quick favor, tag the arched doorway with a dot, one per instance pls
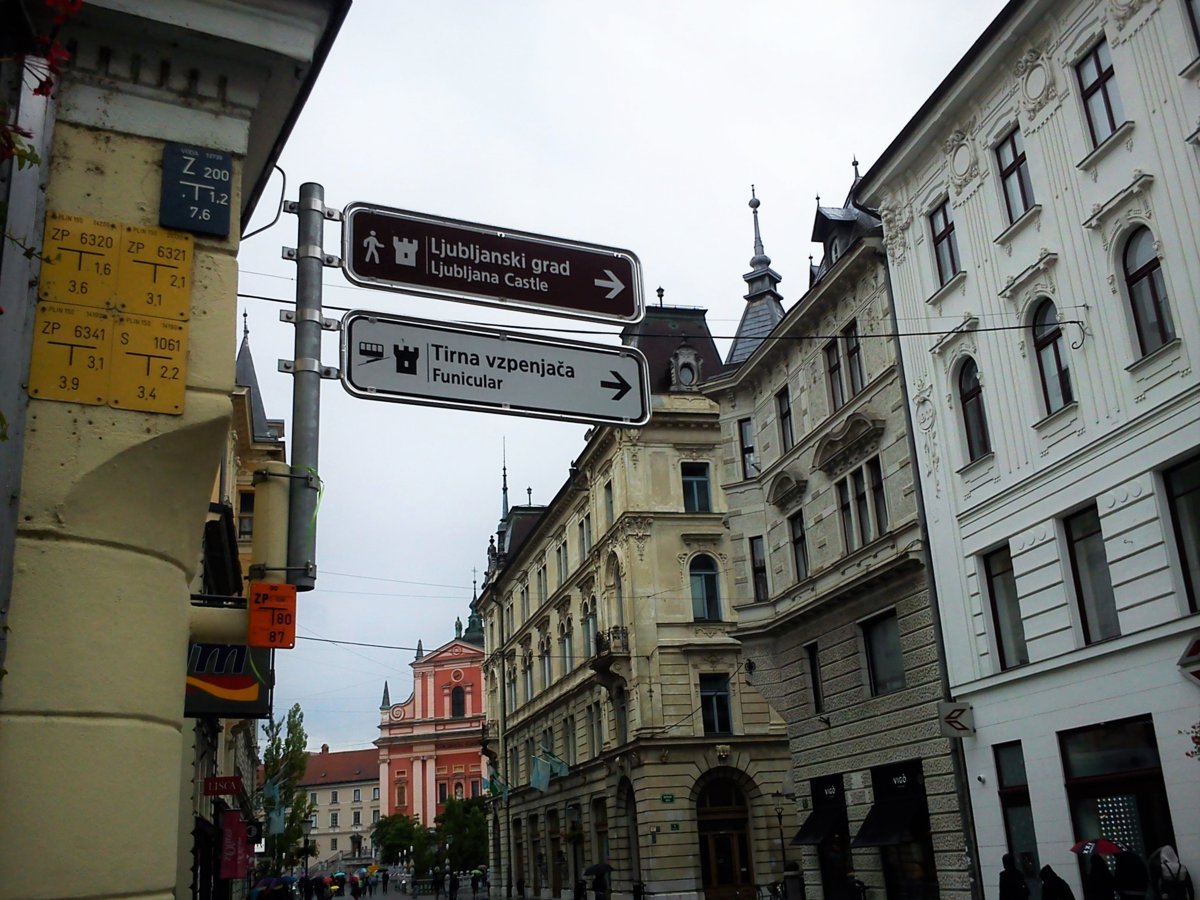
(723, 824)
(627, 803)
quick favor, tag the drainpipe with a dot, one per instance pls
(956, 751)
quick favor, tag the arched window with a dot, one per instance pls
(970, 396)
(706, 599)
(458, 703)
(1147, 292)
(1051, 353)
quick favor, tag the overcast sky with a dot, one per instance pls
(636, 125)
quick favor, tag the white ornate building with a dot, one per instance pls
(1041, 213)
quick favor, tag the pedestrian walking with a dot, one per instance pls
(453, 886)
(1013, 885)
(1053, 887)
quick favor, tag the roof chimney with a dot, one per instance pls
(324, 748)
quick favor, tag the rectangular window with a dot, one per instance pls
(945, 244)
(746, 440)
(542, 584)
(443, 791)
(758, 569)
(1098, 89)
(695, 488)
(783, 407)
(245, 515)
(1013, 788)
(374, 793)
(1193, 13)
(862, 504)
(609, 508)
(402, 796)
(587, 532)
(357, 795)
(333, 820)
(1183, 498)
(333, 796)
(582, 542)
(374, 817)
(1006, 610)
(333, 843)
(799, 545)
(356, 817)
(833, 369)
(595, 729)
(1093, 581)
(714, 704)
(814, 677)
(569, 748)
(853, 350)
(1014, 175)
(885, 660)
(312, 798)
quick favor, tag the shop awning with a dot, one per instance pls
(891, 822)
(821, 822)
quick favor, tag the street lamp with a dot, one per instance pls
(782, 848)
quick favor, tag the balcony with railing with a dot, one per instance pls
(610, 661)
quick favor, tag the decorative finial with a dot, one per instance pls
(818, 199)
(529, 496)
(760, 258)
(855, 164)
(245, 324)
(660, 293)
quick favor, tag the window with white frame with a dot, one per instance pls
(374, 817)
(715, 704)
(852, 350)
(525, 603)
(706, 599)
(885, 659)
(333, 796)
(1051, 351)
(746, 442)
(945, 244)
(356, 817)
(595, 729)
(333, 820)
(1182, 482)
(511, 682)
(970, 399)
(569, 741)
(1093, 580)
(696, 498)
(375, 793)
(1007, 624)
(583, 548)
(542, 584)
(833, 370)
(312, 798)
(333, 844)
(1147, 292)
(758, 569)
(245, 515)
(527, 677)
(1098, 90)
(357, 795)
(862, 505)
(1014, 175)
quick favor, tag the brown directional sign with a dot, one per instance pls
(451, 260)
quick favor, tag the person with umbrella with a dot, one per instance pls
(599, 872)
(476, 874)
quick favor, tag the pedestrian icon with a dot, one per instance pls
(372, 244)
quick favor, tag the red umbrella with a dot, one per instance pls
(1103, 846)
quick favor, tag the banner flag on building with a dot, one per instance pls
(557, 766)
(539, 778)
(235, 847)
(496, 785)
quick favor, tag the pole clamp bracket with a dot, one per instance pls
(295, 316)
(294, 207)
(311, 251)
(294, 366)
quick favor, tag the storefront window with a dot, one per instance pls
(1018, 813)
(1115, 785)
(898, 824)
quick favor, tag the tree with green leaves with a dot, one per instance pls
(283, 802)
(462, 830)
(400, 838)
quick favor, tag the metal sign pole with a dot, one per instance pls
(307, 372)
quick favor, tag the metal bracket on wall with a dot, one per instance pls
(292, 366)
(292, 316)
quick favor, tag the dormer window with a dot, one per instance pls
(685, 369)
(834, 250)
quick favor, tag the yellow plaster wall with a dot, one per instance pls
(111, 514)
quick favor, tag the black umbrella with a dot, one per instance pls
(601, 868)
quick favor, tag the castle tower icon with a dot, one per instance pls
(406, 251)
(406, 359)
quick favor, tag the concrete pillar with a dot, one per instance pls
(111, 516)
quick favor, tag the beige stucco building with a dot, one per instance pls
(105, 493)
(833, 601)
(608, 619)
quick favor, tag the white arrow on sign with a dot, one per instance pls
(612, 282)
(473, 367)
